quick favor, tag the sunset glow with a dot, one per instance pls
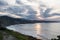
(34, 5)
(38, 30)
(8, 14)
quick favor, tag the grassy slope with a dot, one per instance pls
(1, 36)
(19, 36)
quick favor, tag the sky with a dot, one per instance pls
(31, 9)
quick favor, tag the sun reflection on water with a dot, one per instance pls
(38, 30)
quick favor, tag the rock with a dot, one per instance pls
(32, 38)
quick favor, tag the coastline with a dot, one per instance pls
(17, 35)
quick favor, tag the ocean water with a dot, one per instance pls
(44, 31)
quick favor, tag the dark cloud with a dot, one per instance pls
(54, 14)
(19, 10)
(15, 9)
(45, 13)
(19, 2)
(3, 3)
(31, 12)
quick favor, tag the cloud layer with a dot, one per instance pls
(3, 3)
(30, 9)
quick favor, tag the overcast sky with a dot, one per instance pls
(30, 9)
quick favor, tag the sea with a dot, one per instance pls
(44, 31)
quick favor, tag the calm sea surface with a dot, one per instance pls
(45, 31)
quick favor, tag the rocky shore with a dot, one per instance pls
(6, 34)
(58, 38)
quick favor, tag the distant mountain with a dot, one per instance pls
(6, 21)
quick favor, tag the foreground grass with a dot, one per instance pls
(1, 36)
(19, 36)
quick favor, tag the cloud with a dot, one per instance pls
(29, 9)
(23, 11)
(11, 2)
(17, 10)
(3, 3)
(9, 14)
(19, 2)
(26, 10)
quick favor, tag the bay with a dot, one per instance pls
(44, 31)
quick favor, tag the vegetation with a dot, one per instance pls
(1, 36)
(19, 36)
(7, 21)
